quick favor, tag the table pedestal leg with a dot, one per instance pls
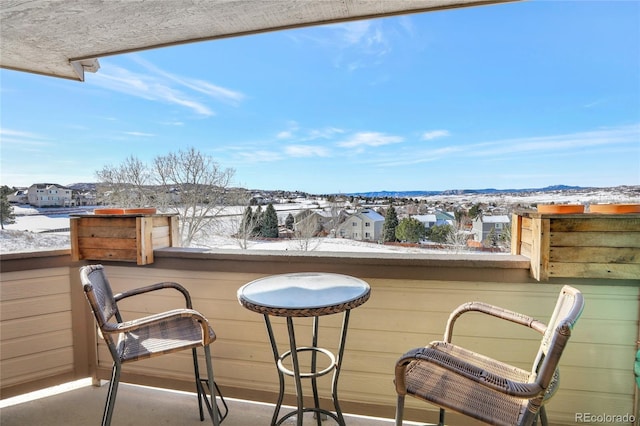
(276, 356)
(336, 373)
(313, 374)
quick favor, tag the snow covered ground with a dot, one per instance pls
(26, 234)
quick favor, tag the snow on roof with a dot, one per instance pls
(496, 219)
(372, 215)
(426, 217)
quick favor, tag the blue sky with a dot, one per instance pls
(515, 95)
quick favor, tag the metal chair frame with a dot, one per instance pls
(477, 386)
(119, 336)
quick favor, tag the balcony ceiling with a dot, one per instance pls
(65, 38)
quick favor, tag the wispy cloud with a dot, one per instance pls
(594, 104)
(306, 151)
(173, 123)
(141, 134)
(372, 139)
(258, 156)
(570, 144)
(326, 133)
(434, 134)
(159, 85)
(20, 137)
(209, 89)
(555, 143)
(295, 132)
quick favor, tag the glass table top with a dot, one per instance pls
(302, 291)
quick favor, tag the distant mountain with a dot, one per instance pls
(413, 194)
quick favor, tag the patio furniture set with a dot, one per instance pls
(442, 373)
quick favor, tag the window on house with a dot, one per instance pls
(367, 224)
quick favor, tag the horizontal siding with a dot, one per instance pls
(36, 337)
(596, 369)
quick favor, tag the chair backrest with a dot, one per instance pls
(567, 311)
(100, 297)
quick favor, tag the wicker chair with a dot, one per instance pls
(477, 386)
(149, 336)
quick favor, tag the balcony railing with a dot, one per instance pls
(47, 334)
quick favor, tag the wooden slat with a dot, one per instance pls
(594, 254)
(112, 254)
(74, 222)
(595, 270)
(595, 239)
(174, 232)
(111, 222)
(596, 224)
(106, 232)
(536, 249)
(516, 233)
(144, 229)
(107, 243)
(525, 249)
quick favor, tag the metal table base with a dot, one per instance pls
(336, 363)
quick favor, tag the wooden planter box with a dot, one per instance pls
(585, 245)
(122, 237)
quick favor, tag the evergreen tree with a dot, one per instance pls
(256, 220)
(269, 228)
(290, 221)
(440, 233)
(390, 225)
(410, 229)
(6, 209)
(475, 211)
(246, 226)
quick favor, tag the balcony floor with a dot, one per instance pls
(81, 404)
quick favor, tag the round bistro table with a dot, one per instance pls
(310, 294)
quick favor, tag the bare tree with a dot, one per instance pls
(194, 187)
(188, 183)
(305, 233)
(125, 185)
(457, 238)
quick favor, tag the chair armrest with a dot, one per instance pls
(154, 287)
(460, 367)
(133, 325)
(494, 311)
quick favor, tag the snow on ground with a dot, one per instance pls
(26, 234)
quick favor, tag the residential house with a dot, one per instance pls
(18, 197)
(49, 195)
(484, 225)
(438, 218)
(317, 221)
(364, 225)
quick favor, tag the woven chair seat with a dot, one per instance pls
(489, 390)
(430, 382)
(150, 336)
(161, 338)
